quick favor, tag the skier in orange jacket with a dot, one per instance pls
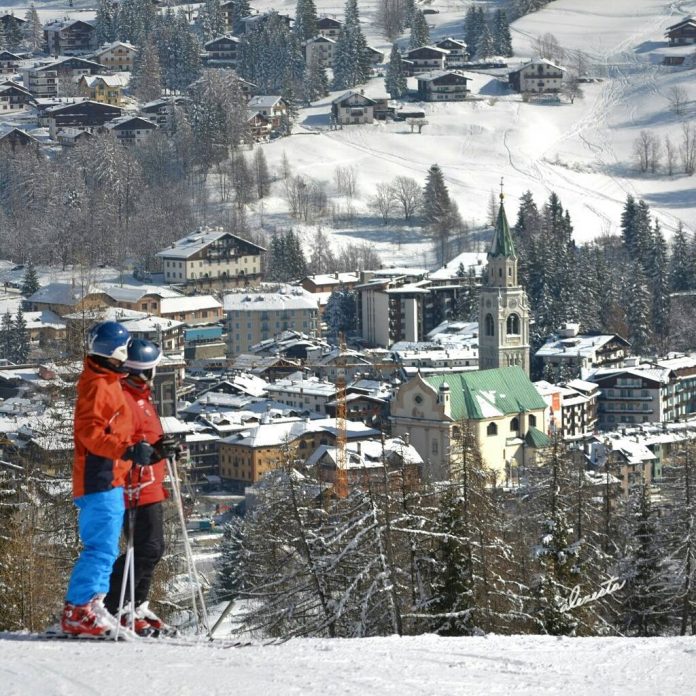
(106, 446)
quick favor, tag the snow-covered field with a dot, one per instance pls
(420, 666)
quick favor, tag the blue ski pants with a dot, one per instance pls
(100, 518)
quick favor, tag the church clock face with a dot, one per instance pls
(513, 303)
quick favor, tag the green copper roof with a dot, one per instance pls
(489, 393)
(502, 239)
(536, 438)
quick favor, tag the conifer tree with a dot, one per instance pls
(13, 34)
(6, 331)
(316, 82)
(658, 275)
(20, 339)
(105, 22)
(351, 62)
(305, 27)
(395, 79)
(33, 28)
(239, 10)
(681, 272)
(439, 211)
(643, 611)
(485, 47)
(502, 40)
(638, 303)
(146, 78)
(30, 282)
(212, 20)
(261, 175)
(136, 19)
(678, 491)
(420, 33)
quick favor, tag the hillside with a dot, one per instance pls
(423, 666)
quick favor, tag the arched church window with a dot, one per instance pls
(490, 326)
(492, 430)
(513, 324)
(532, 420)
(514, 425)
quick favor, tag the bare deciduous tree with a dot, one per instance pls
(670, 155)
(687, 149)
(642, 147)
(547, 46)
(678, 100)
(408, 193)
(346, 181)
(391, 18)
(383, 201)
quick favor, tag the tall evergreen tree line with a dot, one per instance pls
(612, 285)
(486, 37)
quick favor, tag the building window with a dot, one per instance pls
(434, 447)
(492, 430)
(514, 425)
(490, 326)
(513, 325)
(532, 420)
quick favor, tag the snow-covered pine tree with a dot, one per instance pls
(678, 493)
(6, 331)
(658, 276)
(20, 339)
(341, 312)
(485, 47)
(638, 303)
(262, 178)
(502, 40)
(305, 27)
(105, 22)
(13, 34)
(316, 82)
(33, 30)
(146, 78)
(420, 33)
(439, 211)
(211, 20)
(644, 606)
(474, 25)
(681, 272)
(351, 61)
(395, 79)
(30, 282)
(136, 19)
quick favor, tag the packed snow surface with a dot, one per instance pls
(423, 666)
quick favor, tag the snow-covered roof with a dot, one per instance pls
(572, 346)
(187, 303)
(196, 241)
(133, 293)
(118, 80)
(131, 123)
(151, 324)
(437, 74)
(63, 293)
(298, 384)
(115, 44)
(264, 101)
(290, 298)
(653, 374)
(333, 279)
(471, 261)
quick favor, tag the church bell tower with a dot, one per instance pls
(503, 305)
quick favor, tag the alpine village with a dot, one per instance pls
(415, 376)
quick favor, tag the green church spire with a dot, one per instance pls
(502, 239)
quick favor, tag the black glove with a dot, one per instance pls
(140, 454)
(166, 448)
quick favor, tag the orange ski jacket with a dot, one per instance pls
(103, 431)
(147, 426)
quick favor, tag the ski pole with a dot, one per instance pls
(196, 588)
(129, 563)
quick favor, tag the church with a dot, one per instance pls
(498, 402)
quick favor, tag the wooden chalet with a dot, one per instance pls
(328, 27)
(260, 126)
(425, 59)
(221, 52)
(86, 114)
(9, 63)
(442, 85)
(682, 33)
(352, 108)
(17, 138)
(160, 111)
(70, 37)
(13, 97)
(131, 130)
(537, 77)
(458, 53)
